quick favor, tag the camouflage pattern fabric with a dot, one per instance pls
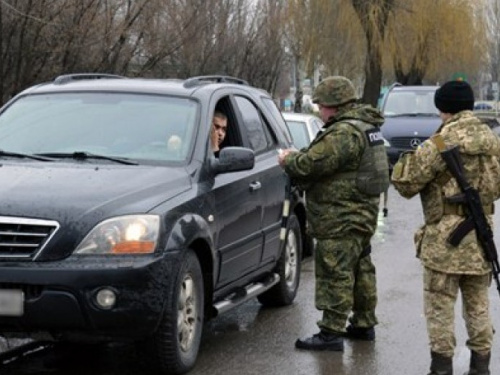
(440, 295)
(446, 268)
(342, 218)
(424, 172)
(336, 207)
(345, 282)
(334, 91)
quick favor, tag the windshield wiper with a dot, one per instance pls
(83, 155)
(27, 156)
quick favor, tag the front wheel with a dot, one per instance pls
(173, 348)
(288, 268)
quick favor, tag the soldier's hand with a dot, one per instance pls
(283, 154)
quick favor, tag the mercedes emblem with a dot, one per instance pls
(415, 142)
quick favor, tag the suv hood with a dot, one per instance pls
(70, 193)
(409, 126)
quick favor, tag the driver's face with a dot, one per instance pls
(219, 128)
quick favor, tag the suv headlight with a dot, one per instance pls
(386, 143)
(134, 234)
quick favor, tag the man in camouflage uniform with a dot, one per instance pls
(343, 172)
(448, 269)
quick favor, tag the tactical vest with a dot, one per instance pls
(372, 176)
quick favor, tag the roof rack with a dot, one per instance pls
(65, 78)
(195, 81)
(395, 84)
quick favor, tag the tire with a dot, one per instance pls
(173, 348)
(288, 268)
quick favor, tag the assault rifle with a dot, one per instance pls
(471, 200)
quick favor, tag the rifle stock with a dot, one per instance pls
(473, 205)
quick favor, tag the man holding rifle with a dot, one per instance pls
(457, 174)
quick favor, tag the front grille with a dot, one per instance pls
(407, 143)
(24, 238)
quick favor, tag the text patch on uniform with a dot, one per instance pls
(374, 137)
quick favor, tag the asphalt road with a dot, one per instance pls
(252, 340)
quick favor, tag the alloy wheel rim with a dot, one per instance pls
(187, 313)
(291, 246)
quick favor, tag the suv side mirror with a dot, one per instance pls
(233, 159)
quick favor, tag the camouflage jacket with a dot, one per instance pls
(335, 206)
(424, 172)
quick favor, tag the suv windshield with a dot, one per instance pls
(410, 103)
(121, 125)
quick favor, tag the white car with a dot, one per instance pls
(303, 127)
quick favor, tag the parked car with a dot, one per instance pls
(491, 121)
(482, 106)
(119, 223)
(303, 127)
(410, 118)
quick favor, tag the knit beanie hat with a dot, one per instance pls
(454, 96)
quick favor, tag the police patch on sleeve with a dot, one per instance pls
(374, 137)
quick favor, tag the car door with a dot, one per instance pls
(267, 172)
(238, 211)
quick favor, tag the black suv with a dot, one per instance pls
(410, 118)
(119, 223)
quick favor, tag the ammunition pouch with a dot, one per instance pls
(372, 175)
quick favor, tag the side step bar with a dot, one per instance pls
(23, 351)
(246, 293)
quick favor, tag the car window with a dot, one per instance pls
(148, 127)
(410, 103)
(258, 134)
(317, 126)
(278, 119)
(299, 133)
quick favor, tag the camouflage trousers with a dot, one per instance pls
(345, 283)
(440, 295)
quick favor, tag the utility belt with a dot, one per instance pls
(458, 209)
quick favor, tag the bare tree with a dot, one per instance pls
(234, 37)
(443, 37)
(43, 38)
(306, 33)
(373, 16)
(492, 16)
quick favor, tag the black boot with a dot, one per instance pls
(479, 364)
(358, 333)
(322, 341)
(441, 365)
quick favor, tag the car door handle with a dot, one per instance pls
(255, 186)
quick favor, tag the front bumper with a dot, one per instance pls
(59, 297)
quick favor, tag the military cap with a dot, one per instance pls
(454, 96)
(334, 91)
